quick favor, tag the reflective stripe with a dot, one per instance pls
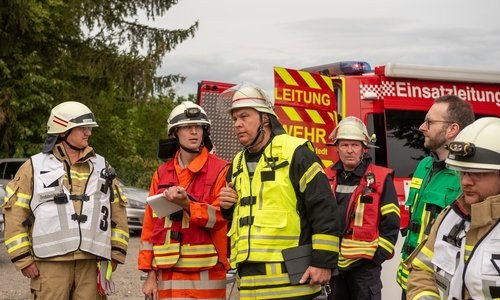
(416, 183)
(325, 242)
(389, 208)
(145, 246)
(402, 276)
(386, 244)
(120, 236)
(211, 211)
(17, 241)
(185, 256)
(346, 262)
(275, 284)
(346, 189)
(80, 176)
(423, 260)
(468, 251)
(358, 219)
(309, 175)
(208, 284)
(427, 296)
(351, 249)
(22, 200)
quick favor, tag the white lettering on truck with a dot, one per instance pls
(405, 89)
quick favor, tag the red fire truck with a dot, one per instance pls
(392, 100)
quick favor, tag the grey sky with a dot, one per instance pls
(243, 40)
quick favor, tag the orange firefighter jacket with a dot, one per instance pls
(203, 215)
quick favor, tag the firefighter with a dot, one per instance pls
(65, 214)
(433, 186)
(461, 257)
(185, 253)
(369, 213)
(277, 198)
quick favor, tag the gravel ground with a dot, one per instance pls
(127, 278)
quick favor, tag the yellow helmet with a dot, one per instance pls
(187, 113)
(351, 128)
(68, 115)
(245, 94)
(476, 148)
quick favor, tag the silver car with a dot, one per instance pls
(136, 205)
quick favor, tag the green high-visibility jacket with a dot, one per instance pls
(425, 201)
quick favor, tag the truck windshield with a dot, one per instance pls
(405, 143)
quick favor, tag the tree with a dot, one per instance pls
(92, 51)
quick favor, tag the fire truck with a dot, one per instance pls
(391, 99)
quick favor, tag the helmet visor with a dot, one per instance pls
(85, 119)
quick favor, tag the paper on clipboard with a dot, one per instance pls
(161, 206)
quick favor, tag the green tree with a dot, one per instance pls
(92, 51)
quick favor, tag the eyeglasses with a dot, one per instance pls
(85, 129)
(474, 176)
(428, 123)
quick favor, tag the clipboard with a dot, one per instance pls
(297, 260)
(161, 206)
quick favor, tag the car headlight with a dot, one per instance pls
(136, 204)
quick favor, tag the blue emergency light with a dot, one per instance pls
(341, 68)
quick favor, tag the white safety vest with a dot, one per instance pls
(56, 231)
(478, 274)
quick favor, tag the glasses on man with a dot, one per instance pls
(85, 129)
(473, 176)
(428, 122)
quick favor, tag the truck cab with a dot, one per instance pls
(391, 99)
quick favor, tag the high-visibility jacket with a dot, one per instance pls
(461, 258)
(426, 199)
(19, 194)
(287, 202)
(262, 229)
(176, 243)
(58, 229)
(361, 237)
(204, 214)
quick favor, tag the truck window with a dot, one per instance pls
(376, 125)
(405, 143)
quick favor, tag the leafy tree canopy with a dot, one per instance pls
(95, 52)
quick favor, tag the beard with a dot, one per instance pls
(436, 142)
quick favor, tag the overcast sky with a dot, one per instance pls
(243, 40)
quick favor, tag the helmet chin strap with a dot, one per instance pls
(65, 139)
(260, 133)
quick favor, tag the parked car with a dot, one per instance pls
(136, 205)
(136, 196)
(8, 168)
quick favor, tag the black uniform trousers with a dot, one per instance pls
(361, 282)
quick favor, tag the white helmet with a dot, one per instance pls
(351, 128)
(245, 94)
(68, 115)
(476, 148)
(187, 113)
